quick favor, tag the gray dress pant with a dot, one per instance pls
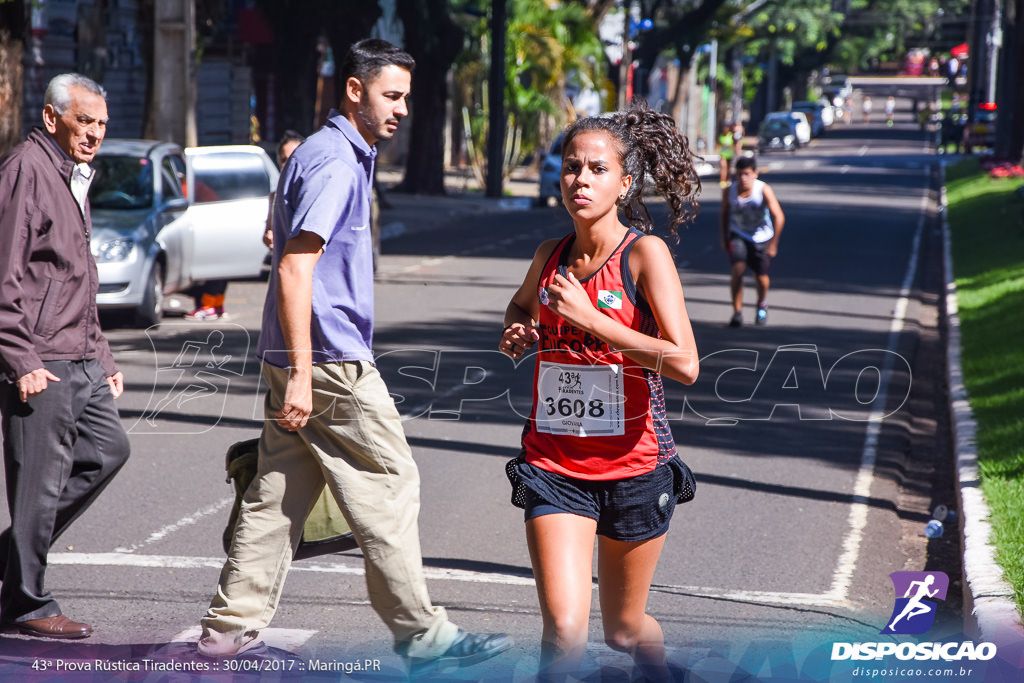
(61, 449)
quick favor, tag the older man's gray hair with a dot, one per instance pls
(58, 91)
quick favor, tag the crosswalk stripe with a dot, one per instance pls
(289, 639)
(831, 598)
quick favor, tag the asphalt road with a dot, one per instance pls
(795, 430)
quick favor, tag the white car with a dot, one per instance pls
(230, 188)
(165, 219)
(803, 128)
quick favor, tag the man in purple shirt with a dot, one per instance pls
(329, 417)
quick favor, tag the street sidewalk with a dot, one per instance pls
(403, 213)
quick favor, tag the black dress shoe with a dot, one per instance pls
(54, 627)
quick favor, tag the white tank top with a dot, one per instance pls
(749, 217)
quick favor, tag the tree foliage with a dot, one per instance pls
(549, 47)
(882, 30)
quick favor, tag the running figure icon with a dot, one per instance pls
(915, 607)
(914, 612)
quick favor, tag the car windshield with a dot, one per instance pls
(775, 128)
(230, 175)
(121, 182)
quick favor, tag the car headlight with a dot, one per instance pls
(788, 139)
(114, 250)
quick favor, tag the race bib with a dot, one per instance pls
(580, 400)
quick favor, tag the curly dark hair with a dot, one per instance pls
(650, 148)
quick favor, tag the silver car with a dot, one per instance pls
(165, 219)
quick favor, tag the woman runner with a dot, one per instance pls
(606, 306)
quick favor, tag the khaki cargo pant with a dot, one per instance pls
(354, 442)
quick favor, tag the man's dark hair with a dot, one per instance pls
(746, 162)
(289, 136)
(366, 58)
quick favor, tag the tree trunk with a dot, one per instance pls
(12, 47)
(1017, 131)
(434, 40)
(294, 59)
(1010, 134)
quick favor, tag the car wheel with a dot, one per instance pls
(151, 310)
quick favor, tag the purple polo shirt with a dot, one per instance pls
(325, 189)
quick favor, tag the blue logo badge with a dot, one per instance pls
(914, 612)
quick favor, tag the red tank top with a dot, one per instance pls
(596, 414)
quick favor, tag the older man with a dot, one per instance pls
(63, 440)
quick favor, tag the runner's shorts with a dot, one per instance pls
(743, 251)
(632, 509)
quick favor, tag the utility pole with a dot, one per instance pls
(172, 106)
(496, 102)
(627, 57)
(737, 83)
(994, 40)
(712, 117)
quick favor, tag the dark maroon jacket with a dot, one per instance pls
(48, 279)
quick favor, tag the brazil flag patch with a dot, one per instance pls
(609, 299)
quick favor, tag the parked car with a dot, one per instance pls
(165, 219)
(814, 116)
(799, 119)
(820, 109)
(230, 185)
(550, 174)
(777, 134)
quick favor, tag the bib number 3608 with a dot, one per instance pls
(580, 400)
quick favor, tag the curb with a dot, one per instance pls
(423, 213)
(988, 598)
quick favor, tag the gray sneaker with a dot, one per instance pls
(467, 649)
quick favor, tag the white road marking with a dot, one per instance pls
(857, 521)
(188, 520)
(289, 639)
(184, 562)
(862, 151)
(432, 574)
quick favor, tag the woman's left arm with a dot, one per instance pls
(674, 355)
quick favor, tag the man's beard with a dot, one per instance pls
(379, 128)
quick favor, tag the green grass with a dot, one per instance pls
(985, 218)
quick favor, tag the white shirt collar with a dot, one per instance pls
(81, 179)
